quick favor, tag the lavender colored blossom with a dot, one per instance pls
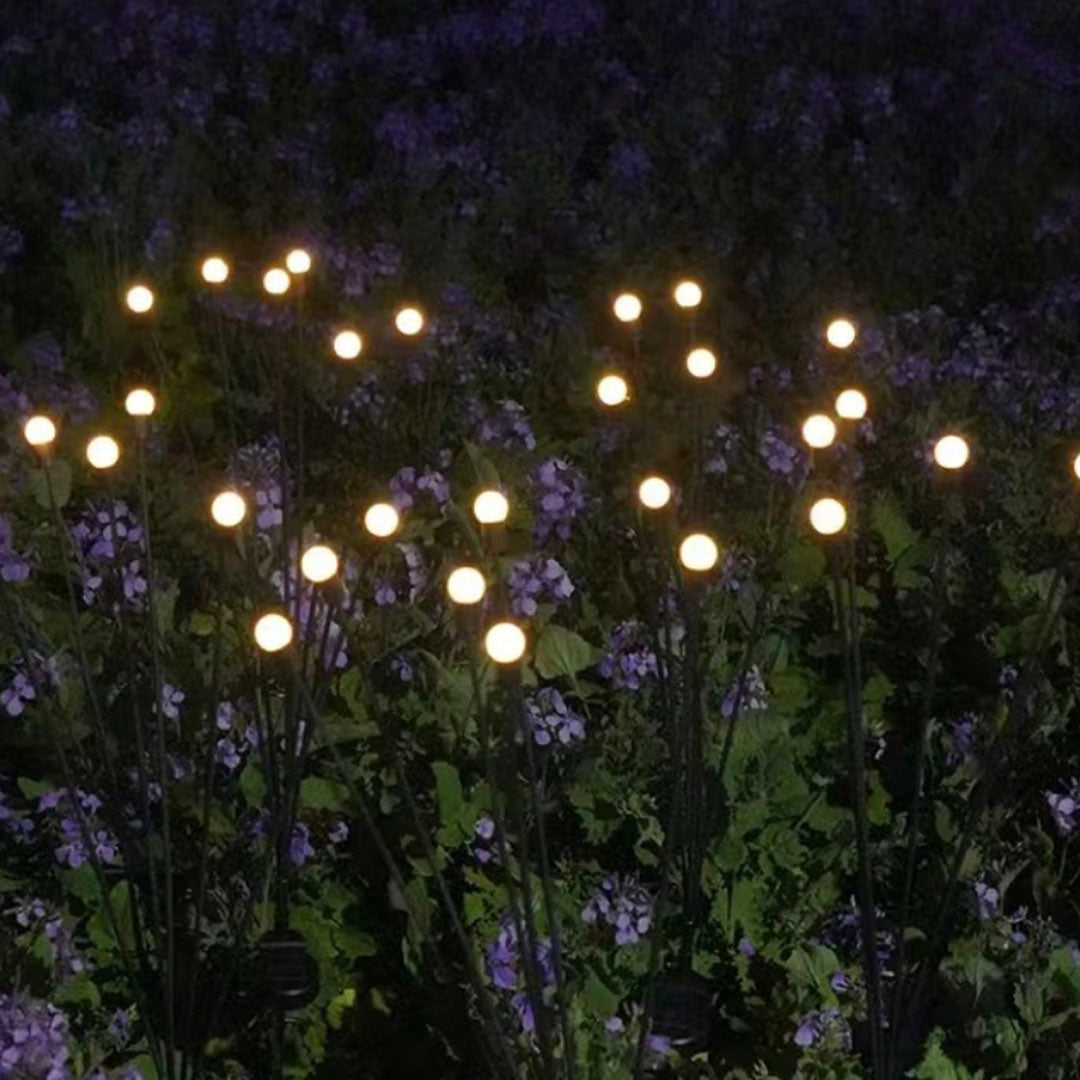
(746, 947)
(33, 1039)
(721, 448)
(534, 581)
(258, 466)
(987, 900)
(962, 738)
(409, 484)
(613, 1025)
(505, 425)
(559, 499)
(14, 566)
(817, 1024)
(300, 849)
(840, 983)
(552, 720)
(66, 959)
(111, 549)
(228, 755)
(119, 1030)
(622, 904)
(658, 1044)
(780, 457)
(748, 694)
(171, 700)
(400, 666)
(483, 847)
(225, 716)
(339, 832)
(844, 934)
(502, 963)
(629, 661)
(1064, 807)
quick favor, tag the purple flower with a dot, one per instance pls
(840, 983)
(552, 720)
(629, 661)
(111, 546)
(623, 905)
(226, 714)
(504, 970)
(171, 700)
(339, 833)
(408, 484)
(119, 1029)
(300, 849)
(746, 947)
(1063, 808)
(658, 1044)
(749, 693)
(483, 849)
(505, 426)
(613, 1025)
(962, 736)
(559, 499)
(228, 755)
(815, 1025)
(721, 448)
(401, 667)
(780, 456)
(14, 567)
(33, 1039)
(535, 581)
(986, 900)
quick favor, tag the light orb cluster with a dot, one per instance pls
(687, 294)
(215, 270)
(699, 552)
(840, 333)
(39, 431)
(828, 516)
(228, 508)
(466, 585)
(851, 404)
(347, 345)
(102, 452)
(701, 363)
(319, 563)
(627, 307)
(505, 643)
(409, 321)
(273, 632)
(491, 507)
(612, 390)
(654, 492)
(382, 519)
(952, 452)
(276, 281)
(818, 431)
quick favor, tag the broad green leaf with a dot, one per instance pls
(60, 474)
(354, 942)
(451, 798)
(890, 524)
(562, 652)
(320, 793)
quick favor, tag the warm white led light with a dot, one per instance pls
(298, 261)
(347, 345)
(688, 294)
(103, 451)
(699, 552)
(818, 431)
(851, 404)
(1076, 465)
(466, 585)
(273, 632)
(612, 390)
(140, 402)
(228, 509)
(276, 281)
(828, 516)
(654, 492)
(627, 307)
(701, 363)
(139, 299)
(215, 270)
(382, 519)
(951, 452)
(409, 321)
(840, 333)
(39, 431)
(318, 563)
(505, 643)
(490, 507)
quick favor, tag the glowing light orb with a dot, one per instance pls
(215, 270)
(505, 643)
(318, 563)
(851, 404)
(382, 519)
(228, 508)
(409, 321)
(699, 552)
(103, 451)
(140, 402)
(654, 492)
(701, 363)
(627, 307)
(951, 452)
(1076, 465)
(139, 299)
(276, 281)
(490, 507)
(840, 333)
(39, 431)
(466, 585)
(828, 516)
(347, 345)
(612, 390)
(818, 431)
(688, 294)
(273, 632)
(298, 261)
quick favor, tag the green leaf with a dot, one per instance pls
(600, 1000)
(803, 563)
(253, 785)
(60, 472)
(891, 525)
(562, 652)
(451, 798)
(319, 793)
(730, 852)
(877, 800)
(486, 472)
(335, 1010)
(80, 990)
(814, 968)
(354, 942)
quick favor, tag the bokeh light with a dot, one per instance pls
(699, 552)
(654, 492)
(102, 451)
(466, 585)
(505, 643)
(273, 632)
(228, 508)
(382, 519)
(491, 507)
(828, 516)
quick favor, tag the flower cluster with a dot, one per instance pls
(962, 734)
(259, 467)
(987, 900)
(505, 426)
(721, 447)
(66, 958)
(502, 961)
(1063, 807)
(111, 548)
(14, 566)
(817, 1025)
(535, 581)
(483, 848)
(552, 720)
(560, 499)
(23, 688)
(33, 1039)
(747, 694)
(628, 661)
(844, 934)
(782, 457)
(622, 904)
(72, 850)
(409, 484)
(388, 590)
